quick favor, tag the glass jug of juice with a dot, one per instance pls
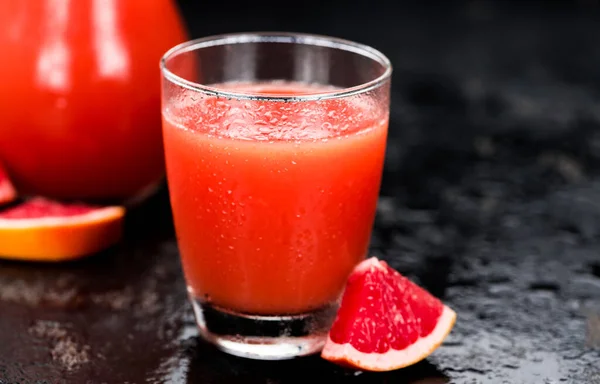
(80, 115)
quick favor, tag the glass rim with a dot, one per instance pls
(277, 37)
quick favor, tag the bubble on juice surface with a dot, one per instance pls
(277, 120)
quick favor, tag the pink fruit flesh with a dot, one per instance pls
(40, 207)
(383, 310)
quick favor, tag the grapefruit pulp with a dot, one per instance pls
(385, 321)
(7, 191)
(45, 230)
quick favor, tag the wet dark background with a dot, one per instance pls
(491, 200)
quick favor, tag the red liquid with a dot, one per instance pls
(273, 202)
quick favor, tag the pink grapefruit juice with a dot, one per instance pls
(273, 201)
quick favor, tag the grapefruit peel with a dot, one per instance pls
(347, 355)
(44, 230)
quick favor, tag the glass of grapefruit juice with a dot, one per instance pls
(274, 147)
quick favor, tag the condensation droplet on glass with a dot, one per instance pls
(210, 189)
(293, 162)
(229, 191)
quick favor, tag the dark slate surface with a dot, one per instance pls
(491, 199)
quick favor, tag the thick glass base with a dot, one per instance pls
(264, 337)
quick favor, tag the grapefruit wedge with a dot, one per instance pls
(45, 230)
(7, 191)
(385, 321)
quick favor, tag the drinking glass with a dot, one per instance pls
(274, 147)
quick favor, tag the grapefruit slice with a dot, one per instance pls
(46, 230)
(7, 191)
(385, 321)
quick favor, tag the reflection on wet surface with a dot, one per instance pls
(207, 365)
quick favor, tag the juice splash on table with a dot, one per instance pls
(273, 202)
